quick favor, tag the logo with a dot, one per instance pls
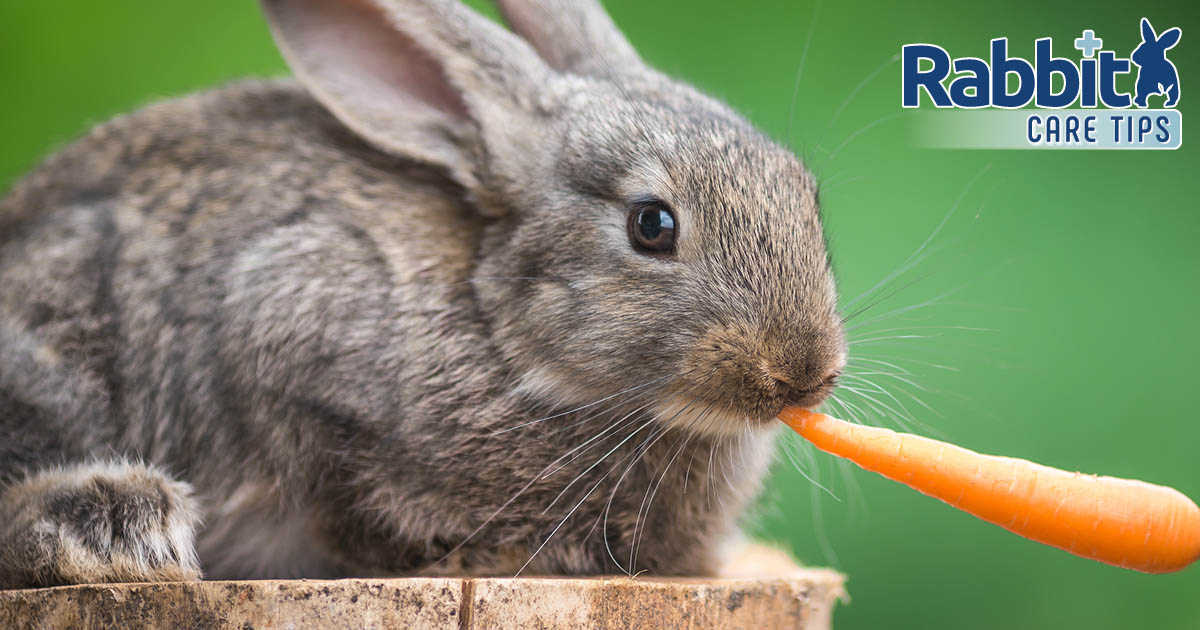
(1075, 104)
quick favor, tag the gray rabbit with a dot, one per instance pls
(461, 300)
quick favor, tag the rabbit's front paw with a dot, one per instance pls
(98, 523)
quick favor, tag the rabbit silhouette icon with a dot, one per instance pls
(1156, 73)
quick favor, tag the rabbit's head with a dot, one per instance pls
(1153, 49)
(642, 242)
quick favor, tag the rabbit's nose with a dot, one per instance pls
(806, 389)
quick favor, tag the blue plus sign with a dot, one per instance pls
(1088, 44)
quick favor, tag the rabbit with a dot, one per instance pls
(1156, 74)
(460, 299)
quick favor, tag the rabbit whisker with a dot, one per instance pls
(582, 474)
(639, 456)
(534, 479)
(638, 396)
(884, 295)
(603, 435)
(906, 328)
(882, 119)
(630, 462)
(876, 357)
(853, 93)
(579, 408)
(633, 462)
(812, 28)
(834, 182)
(585, 496)
(648, 499)
(629, 419)
(855, 360)
(793, 456)
(900, 416)
(919, 254)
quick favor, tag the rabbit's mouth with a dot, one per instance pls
(733, 380)
(713, 416)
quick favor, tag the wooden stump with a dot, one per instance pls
(804, 599)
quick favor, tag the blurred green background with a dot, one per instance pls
(1055, 317)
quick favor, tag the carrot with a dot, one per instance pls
(1127, 523)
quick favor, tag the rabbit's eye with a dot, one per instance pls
(652, 228)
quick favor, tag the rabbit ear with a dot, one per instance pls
(1147, 31)
(1169, 38)
(574, 36)
(429, 80)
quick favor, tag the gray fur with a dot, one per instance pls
(366, 333)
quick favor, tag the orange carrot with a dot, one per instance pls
(1131, 524)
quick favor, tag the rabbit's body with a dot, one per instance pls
(262, 338)
(436, 352)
